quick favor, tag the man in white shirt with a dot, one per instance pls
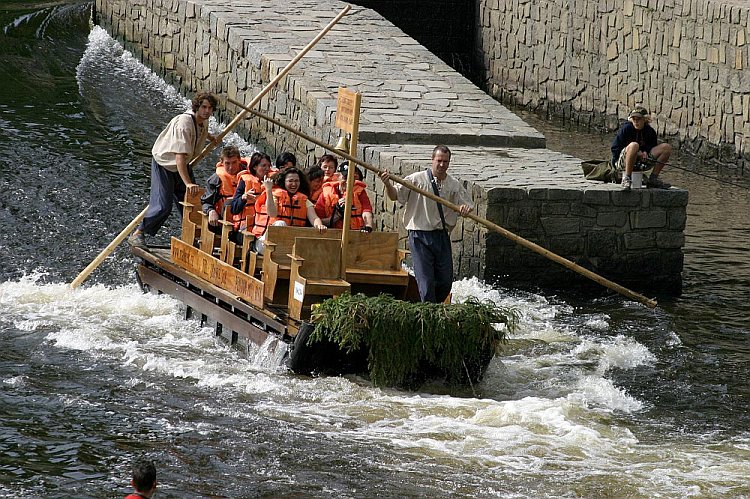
(171, 178)
(429, 224)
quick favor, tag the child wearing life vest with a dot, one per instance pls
(328, 164)
(330, 204)
(221, 186)
(284, 201)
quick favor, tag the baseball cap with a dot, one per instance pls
(639, 111)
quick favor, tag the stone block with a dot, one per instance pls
(638, 240)
(568, 246)
(602, 243)
(554, 226)
(596, 197)
(648, 219)
(504, 194)
(518, 217)
(626, 198)
(671, 239)
(564, 194)
(612, 219)
(677, 219)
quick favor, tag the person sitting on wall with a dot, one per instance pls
(315, 175)
(284, 202)
(249, 187)
(221, 186)
(636, 147)
(328, 164)
(330, 205)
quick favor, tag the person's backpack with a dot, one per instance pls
(595, 169)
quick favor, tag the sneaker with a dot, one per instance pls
(137, 240)
(626, 183)
(657, 183)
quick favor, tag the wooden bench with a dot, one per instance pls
(191, 217)
(277, 263)
(373, 261)
(315, 263)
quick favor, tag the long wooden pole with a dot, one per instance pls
(490, 225)
(111, 247)
(106, 251)
(270, 85)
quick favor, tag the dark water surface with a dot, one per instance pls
(593, 397)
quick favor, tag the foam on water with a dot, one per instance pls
(105, 58)
(547, 409)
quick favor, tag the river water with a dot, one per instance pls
(593, 397)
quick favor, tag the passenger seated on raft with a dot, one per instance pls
(330, 205)
(284, 201)
(328, 164)
(285, 160)
(249, 187)
(220, 187)
(315, 176)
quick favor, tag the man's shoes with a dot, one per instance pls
(137, 240)
(657, 183)
(626, 183)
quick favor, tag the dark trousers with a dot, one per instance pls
(433, 263)
(167, 190)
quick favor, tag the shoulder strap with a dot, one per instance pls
(433, 182)
(195, 125)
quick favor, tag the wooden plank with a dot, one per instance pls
(217, 272)
(197, 302)
(161, 259)
(321, 257)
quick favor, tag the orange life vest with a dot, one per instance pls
(331, 195)
(292, 210)
(226, 189)
(251, 184)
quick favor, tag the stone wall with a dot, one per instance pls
(592, 60)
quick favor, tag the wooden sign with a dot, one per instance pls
(216, 272)
(347, 110)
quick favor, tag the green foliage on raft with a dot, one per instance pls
(403, 337)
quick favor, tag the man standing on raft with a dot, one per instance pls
(429, 224)
(171, 177)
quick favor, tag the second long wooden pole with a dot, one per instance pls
(490, 225)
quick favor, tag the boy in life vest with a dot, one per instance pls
(330, 205)
(144, 479)
(249, 187)
(284, 201)
(328, 164)
(220, 187)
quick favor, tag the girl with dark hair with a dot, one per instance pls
(249, 187)
(284, 202)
